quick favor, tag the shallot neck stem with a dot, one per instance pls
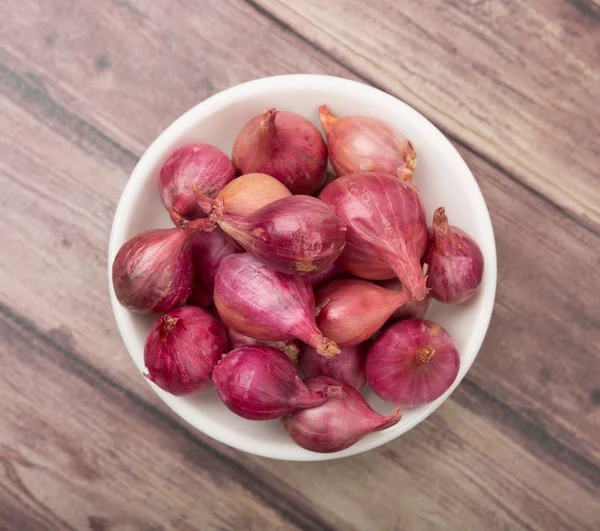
(424, 354)
(391, 420)
(440, 221)
(400, 298)
(267, 129)
(327, 119)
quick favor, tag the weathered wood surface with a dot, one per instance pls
(84, 443)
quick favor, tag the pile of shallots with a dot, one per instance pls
(276, 270)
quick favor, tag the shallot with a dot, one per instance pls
(182, 349)
(201, 165)
(386, 222)
(338, 423)
(352, 310)
(455, 262)
(208, 249)
(291, 347)
(361, 143)
(266, 304)
(297, 235)
(284, 145)
(152, 272)
(412, 363)
(261, 383)
(245, 195)
(348, 366)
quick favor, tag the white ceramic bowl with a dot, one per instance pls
(441, 175)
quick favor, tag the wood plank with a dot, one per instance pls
(517, 81)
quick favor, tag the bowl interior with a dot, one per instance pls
(441, 175)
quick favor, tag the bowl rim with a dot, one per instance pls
(223, 99)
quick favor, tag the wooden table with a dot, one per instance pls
(85, 86)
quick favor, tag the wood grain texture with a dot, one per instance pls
(516, 447)
(516, 81)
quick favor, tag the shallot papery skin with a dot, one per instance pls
(201, 165)
(152, 272)
(266, 304)
(261, 383)
(410, 310)
(362, 143)
(347, 367)
(291, 347)
(328, 274)
(297, 235)
(343, 420)
(284, 145)
(208, 249)
(412, 363)
(385, 220)
(455, 262)
(245, 195)
(350, 310)
(182, 349)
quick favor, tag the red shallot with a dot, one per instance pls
(208, 249)
(361, 143)
(385, 220)
(284, 145)
(261, 383)
(348, 366)
(201, 165)
(152, 272)
(412, 363)
(291, 347)
(182, 349)
(245, 195)
(352, 310)
(297, 235)
(266, 304)
(338, 423)
(455, 262)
